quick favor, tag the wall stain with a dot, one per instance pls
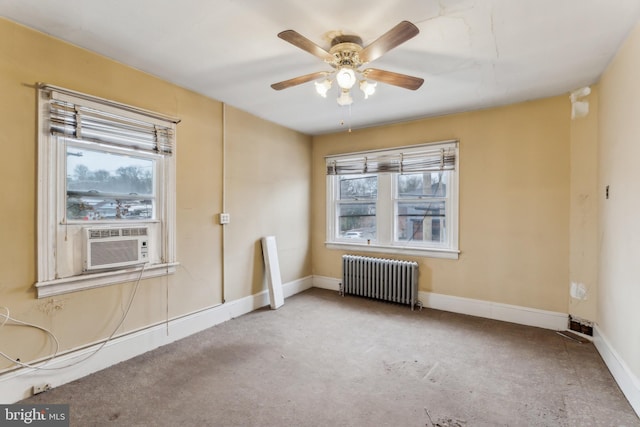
(51, 306)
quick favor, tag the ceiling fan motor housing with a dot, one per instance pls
(345, 50)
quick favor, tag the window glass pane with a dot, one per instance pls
(421, 221)
(418, 185)
(104, 185)
(358, 187)
(357, 220)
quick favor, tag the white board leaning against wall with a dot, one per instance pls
(272, 267)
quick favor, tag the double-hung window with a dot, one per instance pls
(402, 200)
(106, 171)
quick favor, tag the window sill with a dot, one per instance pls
(363, 247)
(95, 280)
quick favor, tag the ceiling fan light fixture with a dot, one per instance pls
(367, 88)
(323, 87)
(346, 55)
(345, 98)
(346, 78)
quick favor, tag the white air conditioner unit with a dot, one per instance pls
(111, 247)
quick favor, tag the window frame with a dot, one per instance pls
(387, 209)
(53, 250)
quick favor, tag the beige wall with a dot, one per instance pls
(80, 318)
(267, 193)
(514, 202)
(619, 226)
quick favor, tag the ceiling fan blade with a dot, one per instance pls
(396, 79)
(392, 38)
(299, 80)
(304, 43)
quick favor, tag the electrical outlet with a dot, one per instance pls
(41, 388)
(225, 218)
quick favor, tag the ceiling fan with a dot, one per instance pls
(346, 56)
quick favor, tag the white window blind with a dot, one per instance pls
(431, 158)
(96, 121)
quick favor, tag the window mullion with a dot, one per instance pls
(385, 208)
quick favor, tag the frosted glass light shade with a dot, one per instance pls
(323, 87)
(367, 88)
(346, 78)
(345, 98)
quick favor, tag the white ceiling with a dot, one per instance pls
(471, 53)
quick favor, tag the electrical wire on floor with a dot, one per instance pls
(14, 322)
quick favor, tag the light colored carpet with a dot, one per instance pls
(327, 360)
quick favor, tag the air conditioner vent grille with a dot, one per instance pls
(134, 231)
(105, 233)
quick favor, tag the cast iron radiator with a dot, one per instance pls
(383, 279)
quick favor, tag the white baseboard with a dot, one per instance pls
(17, 384)
(326, 283)
(627, 381)
(491, 310)
(497, 311)
(297, 286)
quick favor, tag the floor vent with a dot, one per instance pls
(579, 325)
